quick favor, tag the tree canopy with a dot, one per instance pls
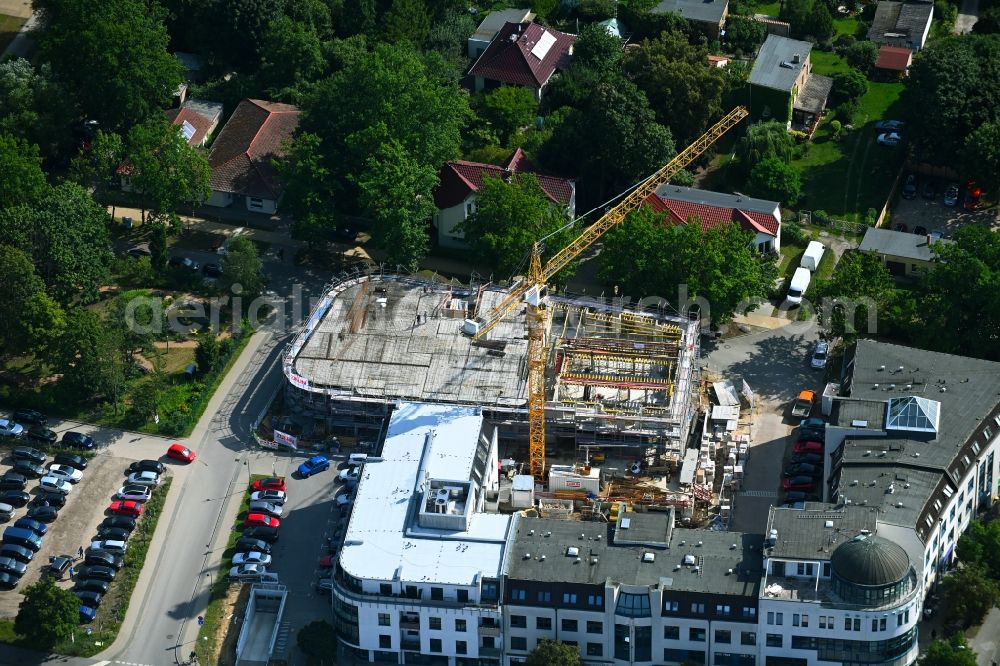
(762, 141)
(949, 652)
(808, 18)
(968, 594)
(48, 613)
(164, 170)
(22, 180)
(554, 653)
(508, 108)
(861, 281)
(773, 178)
(980, 545)
(242, 266)
(32, 105)
(981, 155)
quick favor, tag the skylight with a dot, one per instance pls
(913, 414)
(188, 130)
(545, 43)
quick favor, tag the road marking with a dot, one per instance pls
(758, 493)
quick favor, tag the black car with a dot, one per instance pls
(12, 566)
(929, 190)
(811, 458)
(92, 585)
(75, 461)
(803, 469)
(29, 454)
(212, 270)
(16, 498)
(8, 581)
(910, 187)
(97, 571)
(58, 566)
(29, 469)
(113, 534)
(104, 558)
(184, 262)
(56, 500)
(147, 466)
(40, 433)
(122, 522)
(246, 545)
(13, 481)
(811, 435)
(89, 597)
(268, 534)
(77, 440)
(19, 553)
(30, 416)
(43, 513)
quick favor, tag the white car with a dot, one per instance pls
(256, 573)
(144, 478)
(65, 472)
(10, 429)
(277, 497)
(253, 557)
(116, 547)
(350, 475)
(135, 493)
(55, 484)
(344, 500)
(889, 139)
(818, 360)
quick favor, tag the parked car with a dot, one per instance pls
(71, 459)
(889, 139)
(6, 512)
(812, 422)
(802, 469)
(246, 545)
(124, 522)
(19, 553)
(818, 360)
(10, 429)
(147, 466)
(40, 433)
(92, 585)
(113, 534)
(264, 507)
(262, 532)
(55, 484)
(270, 483)
(43, 513)
(800, 496)
(251, 557)
(799, 483)
(28, 469)
(45, 498)
(212, 270)
(77, 440)
(920, 231)
(344, 500)
(184, 262)
(13, 481)
(29, 454)
(89, 598)
(126, 508)
(95, 571)
(811, 434)
(249, 573)
(139, 251)
(345, 234)
(349, 475)
(87, 614)
(16, 498)
(58, 566)
(65, 472)
(134, 492)
(118, 547)
(889, 125)
(929, 190)
(255, 519)
(29, 416)
(807, 447)
(973, 193)
(324, 586)
(30, 524)
(11, 566)
(273, 496)
(910, 187)
(314, 465)
(181, 452)
(144, 478)
(104, 558)
(951, 195)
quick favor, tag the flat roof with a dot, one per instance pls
(899, 244)
(858, 413)
(491, 24)
(814, 532)
(767, 68)
(710, 11)
(383, 541)
(717, 199)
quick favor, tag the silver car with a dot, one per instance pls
(144, 478)
(55, 484)
(10, 429)
(818, 360)
(134, 492)
(269, 508)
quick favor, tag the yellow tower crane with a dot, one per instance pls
(530, 287)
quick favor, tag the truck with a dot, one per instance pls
(798, 285)
(802, 407)
(812, 256)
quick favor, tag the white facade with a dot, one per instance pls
(252, 204)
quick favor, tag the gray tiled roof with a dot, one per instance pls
(494, 21)
(717, 199)
(767, 69)
(904, 18)
(899, 244)
(709, 11)
(804, 533)
(812, 97)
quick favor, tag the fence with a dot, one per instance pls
(806, 217)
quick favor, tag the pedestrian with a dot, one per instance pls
(79, 553)
(72, 573)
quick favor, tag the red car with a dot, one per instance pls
(807, 447)
(270, 483)
(799, 483)
(126, 508)
(972, 195)
(181, 452)
(326, 562)
(261, 520)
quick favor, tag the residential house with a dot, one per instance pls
(523, 54)
(459, 181)
(782, 85)
(243, 155)
(905, 255)
(718, 62)
(707, 14)
(494, 23)
(197, 120)
(759, 217)
(893, 62)
(903, 24)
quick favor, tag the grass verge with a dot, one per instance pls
(9, 27)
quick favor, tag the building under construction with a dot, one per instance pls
(615, 377)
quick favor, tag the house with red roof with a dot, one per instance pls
(460, 181)
(893, 62)
(760, 217)
(243, 155)
(523, 54)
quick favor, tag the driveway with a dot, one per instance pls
(968, 14)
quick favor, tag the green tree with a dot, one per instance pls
(241, 28)
(849, 85)
(21, 177)
(743, 34)
(292, 54)
(32, 105)
(98, 167)
(980, 545)
(862, 55)
(763, 141)
(988, 22)
(950, 652)
(310, 189)
(111, 57)
(18, 285)
(597, 50)
(968, 594)
(981, 155)
(508, 108)
(407, 20)
(319, 640)
(861, 279)
(48, 614)
(43, 322)
(554, 653)
(89, 358)
(208, 352)
(242, 266)
(808, 18)
(686, 94)
(146, 398)
(399, 222)
(776, 179)
(509, 218)
(164, 169)
(158, 254)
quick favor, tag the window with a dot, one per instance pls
(770, 617)
(545, 597)
(722, 610)
(698, 609)
(723, 636)
(632, 605)
(595, 599)
(435, 645)
(568, 625)
(857, 624)
(569, 598)
(543, 623)
(518, 595)
(470, 208)
(595, 627)
(773, 640)
(460, 626)
(779, 619)
(595, 650)
(805, 620)
(822, 621)
(671, 633)
(385, 589)
(519, 621)
(899, 619)
(463, 596)
(881, 624)
(489, 590)
(437, 593)
(518, 643)
(749, 611)
(670, 606)
(435, 622)
(696, 634)
(385, 641)
(461, 647)
(795, 619)
(806, 568)
(826, 569)
(256, 203)
(748, 638)
(847, 624)
(384, 620)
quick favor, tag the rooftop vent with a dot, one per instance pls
(527, 556)
(828, 524)
(572, 551)
(797, 58)
(881, 367)
(729, 573)
(531, 532)
(874, 386)
(733, 547)
(688, 560)
(541, 559)
(648, 557)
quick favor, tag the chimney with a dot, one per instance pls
(797, 58)
(929, 238)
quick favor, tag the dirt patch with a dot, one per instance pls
(19, 8)
(234, 608)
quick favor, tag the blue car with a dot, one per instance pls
(35, 526)
(314, 465)
(87, 614)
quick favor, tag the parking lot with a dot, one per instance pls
(932, 214)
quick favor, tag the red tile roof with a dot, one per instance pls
(511, 60)
(242, 155)
(200, 123)
(459, 179)
(679, 212)
(894, 58)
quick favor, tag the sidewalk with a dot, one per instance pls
(987, 639)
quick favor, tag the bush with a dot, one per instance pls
(836, 128)
(861, 55)
(847, 111)
(775, 179)
(792, 233)
(849, 85)
(820, 216)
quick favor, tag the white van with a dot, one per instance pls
(798, 286)
(813, 255)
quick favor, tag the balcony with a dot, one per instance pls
(489, 652)
(493, 630)
(407, 643)
(409, 623)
